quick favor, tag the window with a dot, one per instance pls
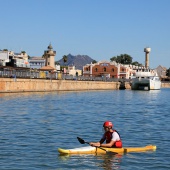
(104, 69)
(113, 70)
(96, 70)
(86, 69)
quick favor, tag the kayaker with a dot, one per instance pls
(111, 136)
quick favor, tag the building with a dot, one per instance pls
(9, 58)
(74, 72)
(106, 69)
(4, 57)
(20, 59)
(161, 71)
(36, 62)
(49, 56)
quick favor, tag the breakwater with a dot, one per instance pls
(165, 85)
(41, 85)
(38, 85)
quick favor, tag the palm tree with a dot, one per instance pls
(65, 58)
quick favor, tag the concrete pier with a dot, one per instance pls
(42, 85)
(38, 85)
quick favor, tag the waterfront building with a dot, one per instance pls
(106, 69)
(71, 70)
(10, 58)
(49, 56)
(36, 62)
(20, 59)
(4, 57)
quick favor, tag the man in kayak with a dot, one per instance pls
(111, 137)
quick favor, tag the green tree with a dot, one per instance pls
(136, 63)
(113, 59)
(168, 72)
(94, 61)
(123, 59)
(65, 58)
(23, 52)
(57, 63)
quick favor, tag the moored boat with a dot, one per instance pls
(146, 79)
(96, 150)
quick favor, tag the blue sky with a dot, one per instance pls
(100, 29)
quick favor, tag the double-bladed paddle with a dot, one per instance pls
(83, 142)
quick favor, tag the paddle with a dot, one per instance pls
(83, 142)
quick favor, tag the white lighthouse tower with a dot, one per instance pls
(147, 51)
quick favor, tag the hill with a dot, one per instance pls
(79, 61)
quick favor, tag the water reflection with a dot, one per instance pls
(53, 93)
(102, 161)
(110, 162)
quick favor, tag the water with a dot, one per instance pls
(34, 125)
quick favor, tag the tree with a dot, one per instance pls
(113, 59)
(123, 59)
(23, 52)
(65, 58)
(57, 63)
(168, 72)
(136, 63)
(94, 61)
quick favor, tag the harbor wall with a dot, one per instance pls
(165, 85)
(38, 85)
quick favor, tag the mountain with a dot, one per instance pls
(79, 61)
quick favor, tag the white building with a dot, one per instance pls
(4, 57)
(9, 58)
(72, 71)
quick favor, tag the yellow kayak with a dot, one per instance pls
(94, 150)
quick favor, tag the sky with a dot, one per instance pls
(100, 29)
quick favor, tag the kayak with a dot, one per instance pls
(94, 150)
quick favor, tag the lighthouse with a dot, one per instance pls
(49, 55)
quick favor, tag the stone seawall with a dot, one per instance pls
(38, 85)
(165, 85)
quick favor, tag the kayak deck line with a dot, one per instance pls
(93, 150)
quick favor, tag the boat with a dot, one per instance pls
(146, 79)
(103, 150)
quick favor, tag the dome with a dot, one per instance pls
(50, 47)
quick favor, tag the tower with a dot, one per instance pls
(49, 55)
(147, 51)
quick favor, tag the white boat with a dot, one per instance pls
(146, 79)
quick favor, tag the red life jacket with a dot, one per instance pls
(108, 136)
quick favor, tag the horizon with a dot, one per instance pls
(95, 28)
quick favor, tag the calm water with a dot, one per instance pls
(34, 125)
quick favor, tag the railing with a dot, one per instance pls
(38, 75)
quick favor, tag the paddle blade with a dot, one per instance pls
(81, 140)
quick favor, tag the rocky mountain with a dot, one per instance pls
(79, 61)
